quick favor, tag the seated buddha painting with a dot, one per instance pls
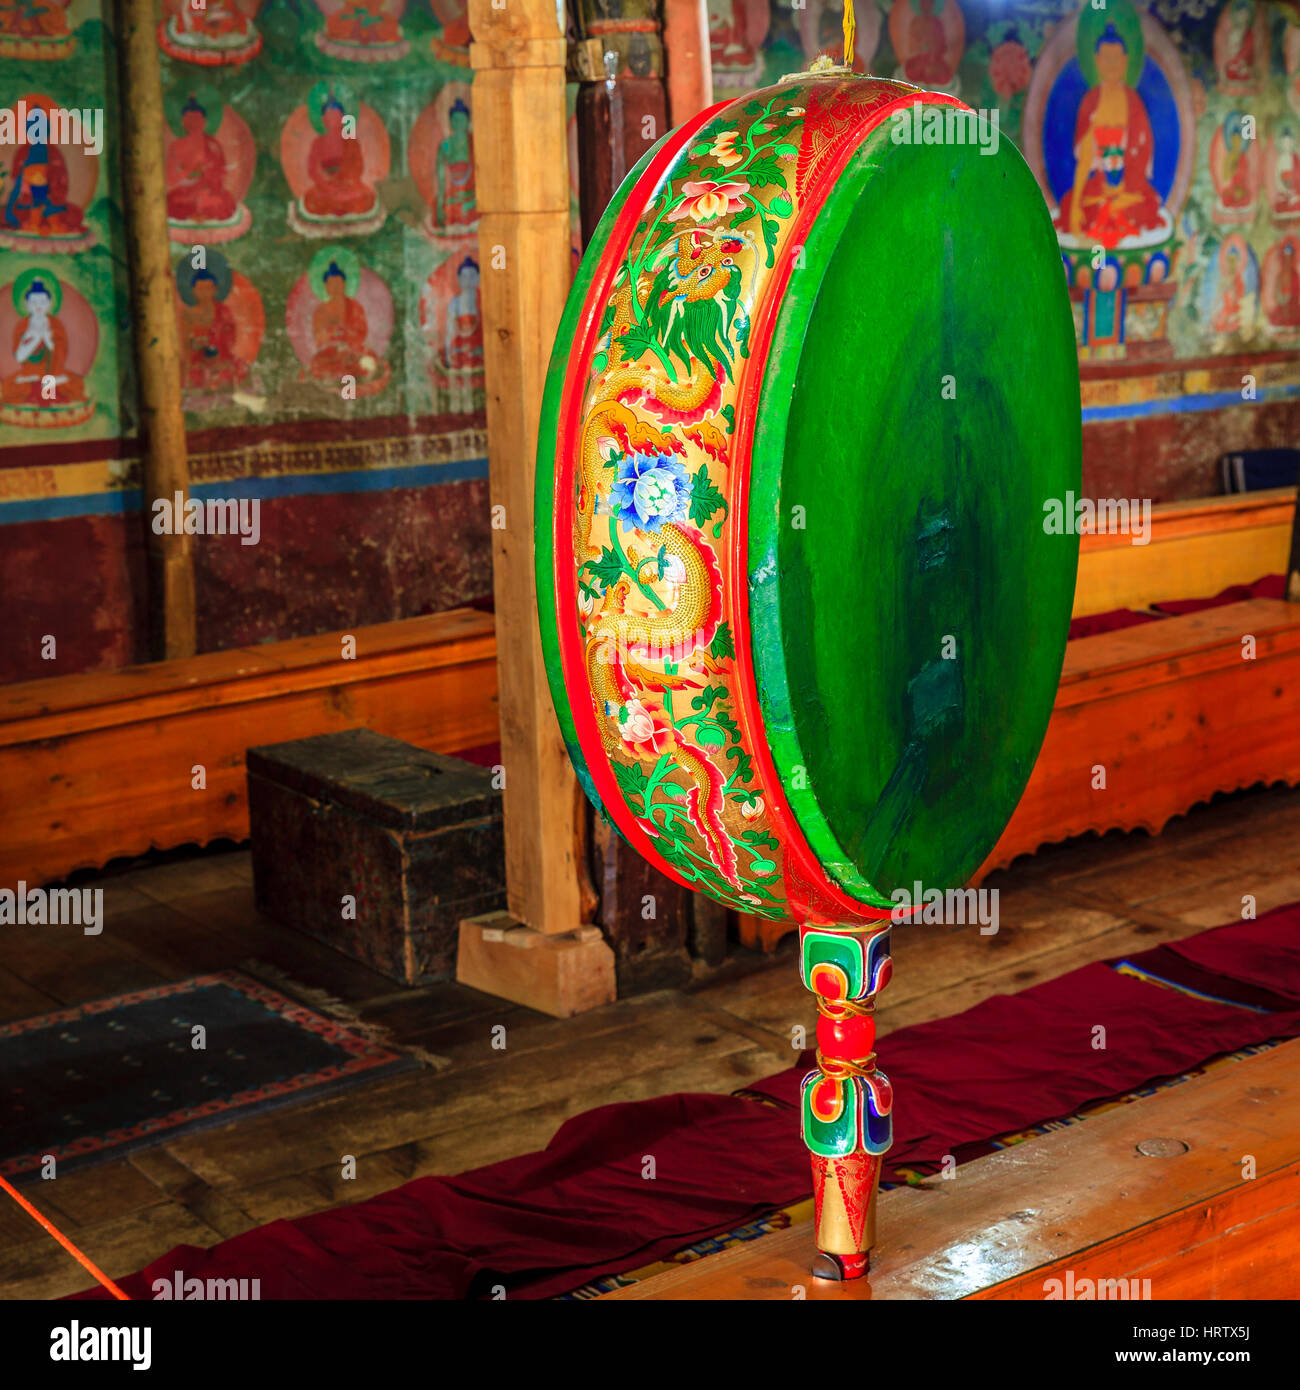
(451, 45)
(45, 186)
(334, 151)
(1280, 291)
(441, 156)
(929, 37)
(451, 322)
(48, 338)
(363, 31)
(208, 162)
(35, 29)
(1110, 129)
(212, 33)
(1234, 171)
(1283, 178)
(339, 318)
(1241, 47)
(1230, 297)
(221, 321)
(737, 29)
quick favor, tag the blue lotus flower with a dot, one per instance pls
(649, 490)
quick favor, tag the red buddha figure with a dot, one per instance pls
(208, 328)
(1112, 197)
(33, 19)
(336, 168)
(196, 172)
(339, 330)
(1240, 64)
(1283, 275)
(1228, 317)
(1234, 188)
(1286, 175)
(362, 22)
(927, 64)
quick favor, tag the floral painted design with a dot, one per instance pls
(649, 490)
(652, 518)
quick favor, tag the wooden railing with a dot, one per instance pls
(114, 763)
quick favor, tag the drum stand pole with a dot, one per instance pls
(847, 1101)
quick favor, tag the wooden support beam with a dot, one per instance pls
(154, 332)
(522, 189)
(622, 104)
(686, 56)
(1156, 1190)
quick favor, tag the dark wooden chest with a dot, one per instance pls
(375, 847)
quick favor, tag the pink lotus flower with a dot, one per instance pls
(724, 149)
(706, 199)
(643, 731)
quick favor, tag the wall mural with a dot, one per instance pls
(1165, 135)
(325, 151)
(65, 361)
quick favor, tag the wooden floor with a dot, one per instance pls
(1060, 909)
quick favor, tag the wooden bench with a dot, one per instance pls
(99, 765)
(1171, 710)
(1061, 1214)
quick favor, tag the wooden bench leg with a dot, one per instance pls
(847, 1101)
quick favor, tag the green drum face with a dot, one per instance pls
(815, 383)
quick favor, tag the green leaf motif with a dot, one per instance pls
(770, 233)
(708, 697)
(723, 646)
(607, 569)
(705, 497)
(631, 780)
(763, 172)
(780, 205)
(637, 340)
(709, 737)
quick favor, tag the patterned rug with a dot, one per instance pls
(801, 1212)
(95, 1081)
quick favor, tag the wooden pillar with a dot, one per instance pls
(686, 56)
(154, 333)
(622, 110)
(522, 191)
(622, 104)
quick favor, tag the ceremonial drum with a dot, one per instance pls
(813, 396)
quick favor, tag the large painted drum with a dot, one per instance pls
(813, 396)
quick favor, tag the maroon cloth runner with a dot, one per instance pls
(551, 1221)
(1271, 586)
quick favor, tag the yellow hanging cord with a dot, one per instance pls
(850, 25)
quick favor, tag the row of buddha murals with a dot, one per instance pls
(228, 33)
(1165, 136)
(65, 362)
(319, 165)
(219, 33)
(338, 317)
(335, 154)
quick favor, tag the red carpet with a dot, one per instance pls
(1115, 619)
(550, 1221)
